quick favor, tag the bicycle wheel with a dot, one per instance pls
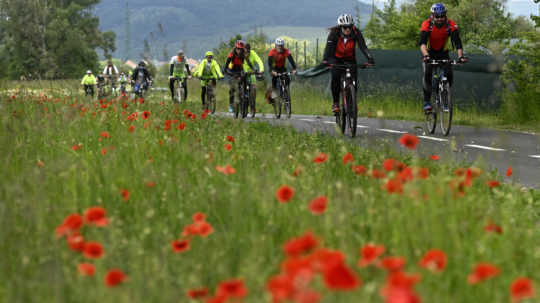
(277, 107)
(343, 116)
(352, 112)
(252, 96)
(445, 109)
(210, 99)
(287, 103)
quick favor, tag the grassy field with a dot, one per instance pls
(153, 166)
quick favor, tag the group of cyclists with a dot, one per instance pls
(435, 34)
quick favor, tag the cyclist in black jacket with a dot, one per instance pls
(340, 49)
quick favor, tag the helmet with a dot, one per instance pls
(142, 63)
(438, 9)
(209, 53)
(88, 71)
(345, 19)
(240, 44)
(280, 41)
(180, 52)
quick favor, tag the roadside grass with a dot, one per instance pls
(62, 155)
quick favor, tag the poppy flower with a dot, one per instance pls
(377, 174)
(104, 151)
(93, 250)
(150, 184)
(131, 128)
(75, 241)
(482, 272)
(96, 215)
(298, 171)
(284, 194)
(204, 229)
(394, 186)
(393, 263)
(473, 172)
(402, 280)
(521, 288)
(340, 277)
(234, 288)
(204, 115)
(509, 171)
(105, 135)
(76, 147)
(281, 287)
(180, 246)
(399, 288)
(359, 169)
(226, 170)
(492, 227)
(114, 277)
(86, 269)
(318, 205)
(145, 115)
(71, 223)
(405, 175)
(199, 217)
(434, 260)
(181, 126)
(435, 157)
(320, 158)
(301, 245)
(370, 253)
(228, 146)
(230, 138)
(125, 194)
(198, 293)
(389, 164)
(40, 163)
(409, 141)
(422, 173)
(493, 183)
(348, 158)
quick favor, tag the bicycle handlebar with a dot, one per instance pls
(352, 65)
(444, 61)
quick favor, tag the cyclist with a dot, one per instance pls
(111, 72)
(89, 80)
(140, 79)
(100, 85)
(178, 68)
(123, 80)
(254, 60)
(208, 70)
(340, 49)
(434, 35)
(277, 64)
(234, 66)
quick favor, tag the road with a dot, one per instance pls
(496, 149)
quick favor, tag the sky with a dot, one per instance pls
(515, 7)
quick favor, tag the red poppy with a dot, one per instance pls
(114, 277)
(193, 117)
(71, 223)
(131, 128)
(301, 245)
(198, 293)
(181, 126)
(473, 172)
(190, 230)
(434, 260)
(40, 163)
(105, 135)
(104, 151)
(509, 171)
(284, 194)
(86, 269)
(76, 147)
(359, 169)
(340, 277)
(393, 263)
(318, 205)
(230, 138)
(422, 173)
(125, 194)
(198, 217)
(96, 215)
(228, 146)
(492, 227)
(204, 115)
(521, 288)
(204, 229)
(394, 186)
(389, 164)
(281, 287)
(400, 279)
(93, 250)
(145, 115)
(75, 241)
(180, 246)
(493, 183)
(434, 157)
(348, 158)
(132, 117)
(226, 170)
(482, 272)
(405, 175)
(320, 158)
(150, 184)
(234, 288)
(399, 288)
(370, 253)
(298, 171)
(377, 174)
(409, 141)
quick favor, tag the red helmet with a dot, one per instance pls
(240, 44)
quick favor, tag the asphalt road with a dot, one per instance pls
(496, 149)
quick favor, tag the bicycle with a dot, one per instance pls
(210, 103)
(89, 90)
(348, 108)
(443, 102)
(123, 89)
(284, 96)
(180, 90)
(110, 85)
(242, 103)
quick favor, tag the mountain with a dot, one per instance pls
(198, 25)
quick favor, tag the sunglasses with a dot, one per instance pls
(439, 16)
(347, 27)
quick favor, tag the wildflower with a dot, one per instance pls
(114, 277)
(301, 245)
(93, 250)
(180, 246)
(40, 163)
(198, 293)
(199, 217)
(399, 288)
(493, 183)
(298, 171)
(281, 287)
(204, 229)
(393, 263)
(131, 128)
(76, 147)
(230, 138)
(226, 170)
(145, 115)
(348, 158)
(181, 126)
(492, 227)
(340, 277)
(422, 173)
(521, 288)
(389, 164)
(86, 269)
(394, 186)
(234, 288)
(434, 260)
(104, 151)
(284, 194)
(320, 158)
(204, 115)
(75, 241)
(96, 215)
(509, 171)
(105, 135)
(71, 223)
(359, 169)
(318, 205)
(228, 146)
(434, 157)
(377, 174)
(370, 253)
(150, 184)
(125, 194)
(409, 141)
(482, 272)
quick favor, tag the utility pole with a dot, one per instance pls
(127, 40)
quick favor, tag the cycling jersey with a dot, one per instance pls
(207, 69)
(178, 67)
(234, 62)
(88, 80)
(276, 60)
(253, 58)
(345, 48)
(436, 39)
(342, 48)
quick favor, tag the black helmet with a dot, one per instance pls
(142, 64)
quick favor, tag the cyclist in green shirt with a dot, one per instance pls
(89, 81)
(178, 69)
(253, 59)
(208, 71)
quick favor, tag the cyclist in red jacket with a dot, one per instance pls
(277, 64)
(434, 35)
(234, 66)
(340, 49)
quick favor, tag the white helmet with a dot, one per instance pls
(345, 19)
(280, 41)
(88, 71)
(180, 52)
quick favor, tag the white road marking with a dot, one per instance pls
(362, 126)
(433, 138)
(309, 120)
(485, 147)
(391, 131)
(329, 122)
(535, 156)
